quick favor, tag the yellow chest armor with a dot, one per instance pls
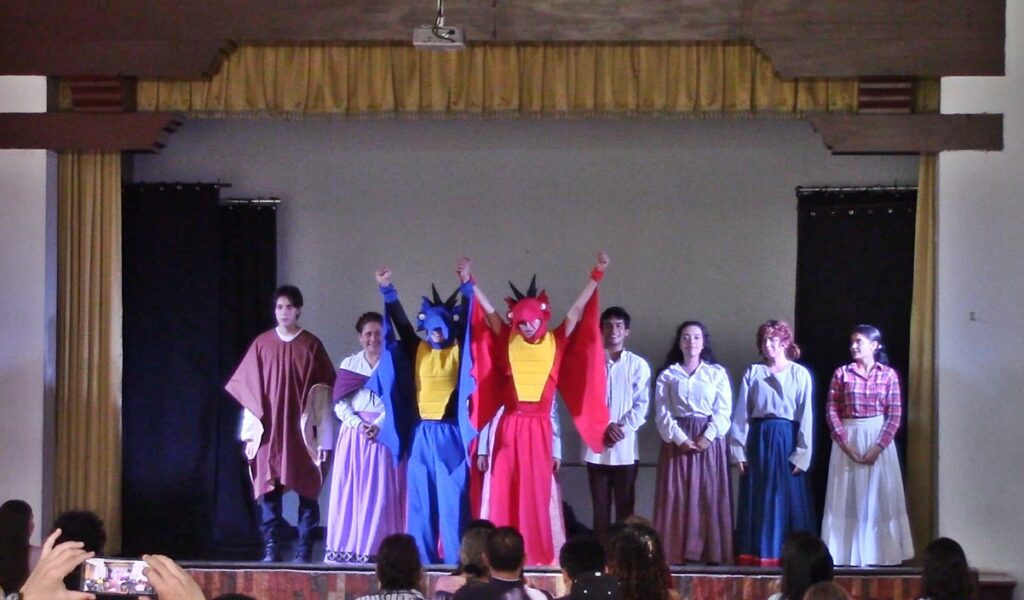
(437, 374)
(531, 365)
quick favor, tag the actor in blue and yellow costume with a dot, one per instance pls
(425, 385)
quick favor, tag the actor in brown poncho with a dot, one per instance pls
(284, 383)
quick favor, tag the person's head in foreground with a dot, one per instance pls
(398, 563)
(596, 585)
(471, 553)
(505, 553)
(805, 562)
(826, 590)
(16, 525)
(946, 574)
(636, 558)
(581, 555)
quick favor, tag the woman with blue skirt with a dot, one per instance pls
(770, 443)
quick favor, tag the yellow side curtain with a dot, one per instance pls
(926, 95)
(921, 483)
(498, 79)
(88, 464)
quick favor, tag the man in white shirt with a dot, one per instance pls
(612, 473)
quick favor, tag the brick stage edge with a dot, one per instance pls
(328, 582)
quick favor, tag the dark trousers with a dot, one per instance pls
(611, 484)
(271, 518)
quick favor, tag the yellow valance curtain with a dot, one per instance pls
(499, 80)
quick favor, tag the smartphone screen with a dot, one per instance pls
(121, 576)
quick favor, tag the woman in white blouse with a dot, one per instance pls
(770, 443)
(367, 488)
(693, 400)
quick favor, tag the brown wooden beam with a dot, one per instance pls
(908, 134)
(196, 59)
(844, 38)
(141, 132)
(182, 39)
(611, 20)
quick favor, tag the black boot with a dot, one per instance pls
(303, 552)
(271, 552)
(270, 524)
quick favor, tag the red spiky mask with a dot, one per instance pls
(529, 307)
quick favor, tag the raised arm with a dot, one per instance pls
(576, 310)
(465, 271)
(394, 310)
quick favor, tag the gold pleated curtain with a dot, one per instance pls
(921, 478)
(494, 80)
(89, 345)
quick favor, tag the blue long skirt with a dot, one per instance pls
(773, 502)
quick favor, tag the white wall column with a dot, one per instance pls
(980, 324)
(27, 331)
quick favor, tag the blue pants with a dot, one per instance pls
(438, 492)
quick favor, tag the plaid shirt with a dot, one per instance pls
(854, 396)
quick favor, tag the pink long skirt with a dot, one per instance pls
(367, 497)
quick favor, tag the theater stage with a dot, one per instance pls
(327, 582)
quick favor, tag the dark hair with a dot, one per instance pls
(481, 524)
(471, 553)
(805, 561)
(781, 330)
(636, 558)
(15, 528)
(505, 551)
(615, 312)
(675, 355)
(581, 554)
(82, 526)
(291, 292)
(368, 317)
(473, 547)
(946, 575)
(398, 563)
(873, 334)
(596, 584)
(826, 590)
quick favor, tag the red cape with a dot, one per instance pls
(582, 379)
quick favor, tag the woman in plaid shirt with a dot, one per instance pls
(865, 520)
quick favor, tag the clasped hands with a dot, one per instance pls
(868, 458)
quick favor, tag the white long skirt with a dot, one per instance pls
(865, 520)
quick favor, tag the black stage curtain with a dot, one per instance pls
(197, 278)
(855, 264)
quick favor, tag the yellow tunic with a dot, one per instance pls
(531, 365)
(437, 374)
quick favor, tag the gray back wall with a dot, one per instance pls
(699, 217)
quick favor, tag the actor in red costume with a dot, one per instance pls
(519, 366)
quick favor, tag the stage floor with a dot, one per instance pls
(345, 582)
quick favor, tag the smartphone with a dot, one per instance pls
(115, 576)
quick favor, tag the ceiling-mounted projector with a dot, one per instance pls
(434, 37)
(438, 36)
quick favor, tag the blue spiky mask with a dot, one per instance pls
(438, 314)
